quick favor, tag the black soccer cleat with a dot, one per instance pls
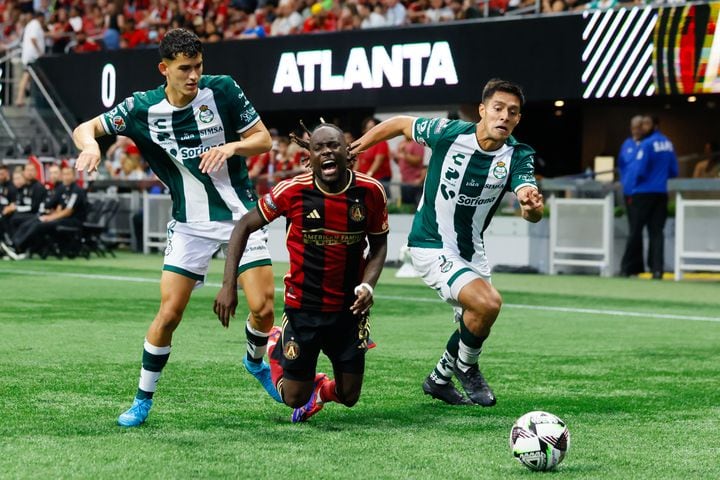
(445, 392)
(475, 386)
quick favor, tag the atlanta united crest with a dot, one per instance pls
(357, 212)
(291, 350)
(500, 171)
(206, 115)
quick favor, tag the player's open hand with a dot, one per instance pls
(363, 302)
(213, 160)
(88, 160)
(225, 303)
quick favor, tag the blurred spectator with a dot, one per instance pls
(410, 159)
(395, 13)
(67, 207)
(320, 20)
(8, 199)
(375, 161)
(438, 12)
(131, 165)
(82, 44)
(75, 18)
(284, 163)
(371, 15)
(287, 20)
(252, 29)
(709, 167)
(94, 21)
(31, 196)
(53, 179)
(655, 163)
(113, 23)
(633, 261)
(33, 47)
(115, 153)
(60, 31)
(416, 11)
(258, 171)
(133, 36)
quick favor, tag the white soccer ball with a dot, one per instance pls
(539, 440)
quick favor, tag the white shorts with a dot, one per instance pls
(444, 271)
(190, 246)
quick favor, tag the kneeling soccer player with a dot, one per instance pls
(333, 215)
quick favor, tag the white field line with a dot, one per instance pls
(590, 311)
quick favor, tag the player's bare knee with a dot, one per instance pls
(263, 316)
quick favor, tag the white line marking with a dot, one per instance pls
(590, 311)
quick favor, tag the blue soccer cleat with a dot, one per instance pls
(313, 405)
(137, 414)
(261, 371)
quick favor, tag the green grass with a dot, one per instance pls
(639, 393)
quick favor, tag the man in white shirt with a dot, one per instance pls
(33, 46)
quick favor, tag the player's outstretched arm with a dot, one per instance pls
(226, 299)
(255, 141)
(531, 204)
(376, 260)
(390, 128)
(84, 137)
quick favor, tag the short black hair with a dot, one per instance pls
(179, 40)
(498, 85)
(4, 167)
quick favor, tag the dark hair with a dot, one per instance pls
(305, 143)
(4, 167)
(179, 40)
(497, 85)
(368, 119)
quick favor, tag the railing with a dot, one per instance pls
(7, 75)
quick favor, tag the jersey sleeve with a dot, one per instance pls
(377, 211)
(276, 202)
(427, 131)
(119, 120)
(244, 115)
(523, 172)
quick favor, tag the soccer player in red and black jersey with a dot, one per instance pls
(333, 214)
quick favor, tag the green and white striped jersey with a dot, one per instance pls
(464, 186)
(171, 140)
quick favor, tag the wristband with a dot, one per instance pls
(366, 286)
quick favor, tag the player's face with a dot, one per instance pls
(183, 74)
(636, 128)
(328, 157)
(501, 114)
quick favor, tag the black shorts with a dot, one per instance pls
(341, 336)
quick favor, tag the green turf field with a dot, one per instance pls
(630, 365)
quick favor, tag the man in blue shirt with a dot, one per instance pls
(655, 162)
(632, 262)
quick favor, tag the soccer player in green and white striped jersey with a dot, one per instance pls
(471, 167)
(195, 132)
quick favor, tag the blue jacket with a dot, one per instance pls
(655, 163)
(625, 159)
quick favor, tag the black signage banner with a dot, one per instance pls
(414, 66)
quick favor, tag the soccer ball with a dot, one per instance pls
(539, 440)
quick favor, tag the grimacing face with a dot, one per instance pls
(501, 113)
(328, 155)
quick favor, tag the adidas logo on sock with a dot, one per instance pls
(313, 214)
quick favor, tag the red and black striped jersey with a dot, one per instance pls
(326, 237)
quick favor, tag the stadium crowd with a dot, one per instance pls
(92, 25)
